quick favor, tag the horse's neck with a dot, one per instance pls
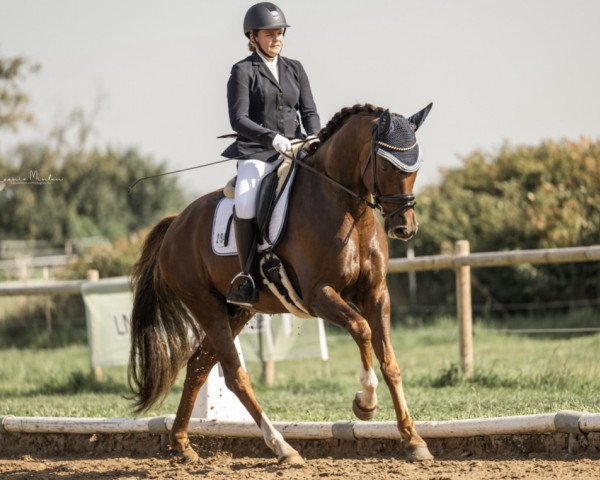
(344, 156)
(343, 159)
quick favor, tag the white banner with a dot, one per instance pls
(108, 305)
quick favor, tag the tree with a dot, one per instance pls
(14, 101)
(521, 197)
(61, 188)
(82, 194)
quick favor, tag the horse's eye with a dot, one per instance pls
(384, 166)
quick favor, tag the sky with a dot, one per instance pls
(496, 71)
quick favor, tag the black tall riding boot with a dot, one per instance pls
(246, 236)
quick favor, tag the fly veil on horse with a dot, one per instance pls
(335, 254)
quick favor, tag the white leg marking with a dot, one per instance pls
(274, 439)
(368, 397)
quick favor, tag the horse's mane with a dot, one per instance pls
(344, 114)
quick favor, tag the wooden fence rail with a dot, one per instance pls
(496, 259)
(43, 287)
(462, 261)
(396, 265)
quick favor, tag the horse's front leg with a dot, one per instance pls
(329, 305)
(377, 310)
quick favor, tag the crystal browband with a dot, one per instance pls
(398, 149)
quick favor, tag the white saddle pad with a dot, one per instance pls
(225, 210)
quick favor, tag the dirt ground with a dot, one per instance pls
(225, 466)
(127, 457)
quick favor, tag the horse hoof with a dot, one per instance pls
(187, 456)
(361, 413)
(291, 459)
(418, 454)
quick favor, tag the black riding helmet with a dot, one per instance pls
(263, 16)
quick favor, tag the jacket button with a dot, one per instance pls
(279, 107)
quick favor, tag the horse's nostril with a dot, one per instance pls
(400, 231)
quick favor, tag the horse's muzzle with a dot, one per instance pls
(403, 231)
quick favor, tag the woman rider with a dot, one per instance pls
(268, 95)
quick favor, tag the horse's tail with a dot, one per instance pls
(159, 327)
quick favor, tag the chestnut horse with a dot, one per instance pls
(335, 253)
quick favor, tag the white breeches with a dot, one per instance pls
(249, 175)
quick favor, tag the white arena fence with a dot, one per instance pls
(566, 421)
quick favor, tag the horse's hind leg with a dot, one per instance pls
(378, 313)
(198, 367)
(238, 381)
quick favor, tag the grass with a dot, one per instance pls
(514, 375)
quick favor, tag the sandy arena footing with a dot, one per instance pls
(137, 456)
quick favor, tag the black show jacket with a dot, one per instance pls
(260, 107)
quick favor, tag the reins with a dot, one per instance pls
(406, 200)
(291, 157)
(332, 181)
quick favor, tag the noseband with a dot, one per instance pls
(405, 201)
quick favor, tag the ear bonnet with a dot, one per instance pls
(396, 142)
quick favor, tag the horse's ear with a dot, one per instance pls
(383, 125)
(417, 119)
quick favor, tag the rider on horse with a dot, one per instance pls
(267, 95)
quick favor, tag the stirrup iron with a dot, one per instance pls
(240, 301)
(243, 275)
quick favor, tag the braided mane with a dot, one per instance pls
(340, 118)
